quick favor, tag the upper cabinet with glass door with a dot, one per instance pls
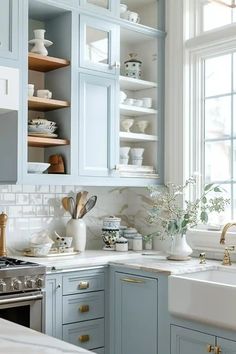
(99, 49)
(107, 7)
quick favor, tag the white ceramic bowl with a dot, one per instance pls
(142, 125)
(129, 101)
(138, 103)
(40, 250)
(124, 151)
(136, 153)
(147, 102)
(46, 129)
(137, 161)
(124, 160)
(126, 124)
(37, 167)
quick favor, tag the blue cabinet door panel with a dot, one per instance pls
(226, 346)
(135, 314)
(186, 341)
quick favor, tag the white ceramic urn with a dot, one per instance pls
(76, 228)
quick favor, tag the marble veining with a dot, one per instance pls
(16, 339)
(150, 261)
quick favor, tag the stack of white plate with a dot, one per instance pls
(42, 127)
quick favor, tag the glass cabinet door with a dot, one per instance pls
(99, 49)
(102, 6)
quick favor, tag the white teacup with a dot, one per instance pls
(30, 90)
(44, 94)
(136, 153)
(129, 101)
(133, 17)
(124, 152)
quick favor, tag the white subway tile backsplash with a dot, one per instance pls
(22, 199)
(35, 208)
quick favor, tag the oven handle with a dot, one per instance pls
(20, 299)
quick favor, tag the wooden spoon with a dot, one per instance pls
(81, 202)
(65, 203)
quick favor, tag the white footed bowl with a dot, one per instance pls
(126, 124)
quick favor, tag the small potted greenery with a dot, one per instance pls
(173, 216)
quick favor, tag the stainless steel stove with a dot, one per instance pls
(22, 292)
(17, 275)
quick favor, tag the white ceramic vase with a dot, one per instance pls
(179, 250)
(76, 228)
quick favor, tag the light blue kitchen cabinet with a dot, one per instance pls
(98, 128)
(9, 20)
(135, 314)
(99, 45)
(53, 306)
(186, 341)
(226, 346)
(106, 7)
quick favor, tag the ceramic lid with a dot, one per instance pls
(130, 231)
(122, 240)
(112, 218)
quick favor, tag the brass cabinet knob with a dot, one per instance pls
(84, 308)
(210, 348)
(84, 338)
(217, 350)
(84, 285)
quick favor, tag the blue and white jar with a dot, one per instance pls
(133, 66)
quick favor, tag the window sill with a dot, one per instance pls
(204, 239)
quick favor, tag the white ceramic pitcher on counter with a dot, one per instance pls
(76, 228)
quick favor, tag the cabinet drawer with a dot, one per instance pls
(83, 282)
(99, 351)
(88, 335)
(83, 307)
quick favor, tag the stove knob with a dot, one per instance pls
(3, 287)
(17, 284)
(40, 282)
(30, 283)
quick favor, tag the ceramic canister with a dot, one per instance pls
(111, 223)
(133, 66)
(129, 234)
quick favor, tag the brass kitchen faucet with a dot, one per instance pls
(226, 258)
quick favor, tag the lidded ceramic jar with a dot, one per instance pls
(133, 66)
(137, 243)
(129, 234)
(110, 232)
(122, 245)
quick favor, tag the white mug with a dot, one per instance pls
(30, 90)
(44, 94)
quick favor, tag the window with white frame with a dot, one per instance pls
(212, 66)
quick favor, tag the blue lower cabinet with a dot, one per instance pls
(53, 306)
(135, 314)
(226, 346)
(186, 341)
(88, 334)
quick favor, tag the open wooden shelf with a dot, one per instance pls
(45, 104)
(34, 141)
(44, 64)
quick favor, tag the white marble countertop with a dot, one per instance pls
(147, 260)
(16, 339)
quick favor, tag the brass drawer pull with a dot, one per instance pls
(84, 285)
(210, 348)
(84, 338)
(218, 350)
(84, 308)
(132, 280)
